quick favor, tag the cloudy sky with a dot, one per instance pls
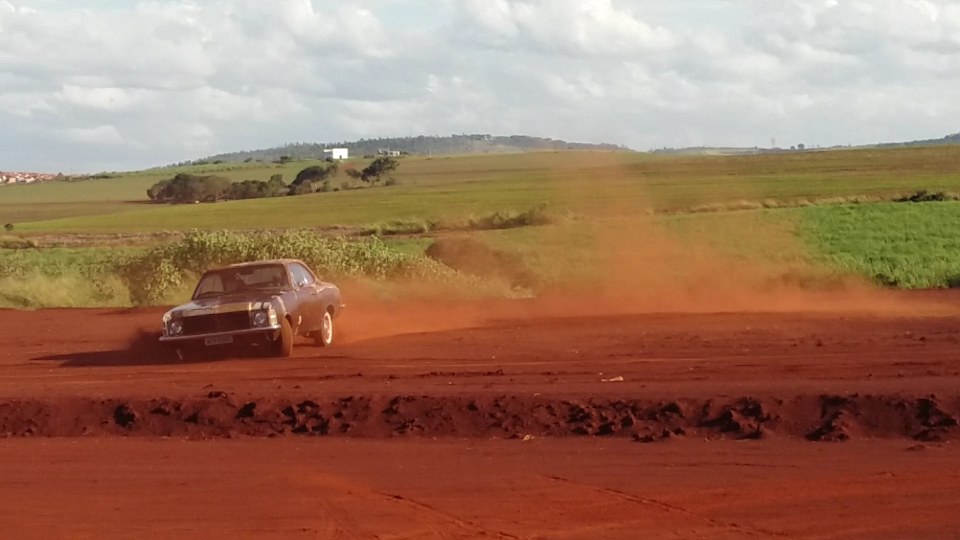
(117, 84)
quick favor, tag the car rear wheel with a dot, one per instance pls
(283, 345)
(324, 336)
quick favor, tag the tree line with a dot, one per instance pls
(189, 188)
(421, 145)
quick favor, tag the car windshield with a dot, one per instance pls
(247, 278)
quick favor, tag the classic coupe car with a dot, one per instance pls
(262, 304)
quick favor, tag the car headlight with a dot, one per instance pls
(175, 327)
(260, 318)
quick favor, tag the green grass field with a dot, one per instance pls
(785, 210)
(594, 183)
(912, 245)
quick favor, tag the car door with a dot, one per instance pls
(308, 298)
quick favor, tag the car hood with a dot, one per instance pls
(224, 304)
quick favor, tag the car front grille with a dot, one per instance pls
(220, 322)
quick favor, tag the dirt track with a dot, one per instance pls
(404, 434)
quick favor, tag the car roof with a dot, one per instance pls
(258, 263)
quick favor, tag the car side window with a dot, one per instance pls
(308, 278)
(301, 276)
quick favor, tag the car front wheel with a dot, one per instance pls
(324, 337)
(283, 345)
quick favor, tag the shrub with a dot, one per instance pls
(8, 227)
(379, 167)
(924, 196)
(309, 176)
(397, 227)
(537, 215)
(474, 257)
(257, 189)
(150, 277)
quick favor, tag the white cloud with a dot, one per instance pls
(161, 81)
(100, 135)
(595, 27)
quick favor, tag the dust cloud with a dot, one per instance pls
(636, 263)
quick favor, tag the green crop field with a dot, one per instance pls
(898, 244)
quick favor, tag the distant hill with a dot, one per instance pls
(949, 139)
(454, 144)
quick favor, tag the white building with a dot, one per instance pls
(336, 153)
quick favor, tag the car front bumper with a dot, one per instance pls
(232, 333)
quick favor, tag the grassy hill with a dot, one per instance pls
(422, 145)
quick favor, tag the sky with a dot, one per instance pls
(97, 85)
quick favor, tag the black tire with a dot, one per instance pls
(324, 336)
(282, 347)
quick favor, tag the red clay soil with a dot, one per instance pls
(497, 420)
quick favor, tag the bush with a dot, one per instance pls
(397, 227)
(152, 276)
(309, 176)
(474, 257)
(257, 189)
(924, 196)
(379, 167)
(8, 227)
(537, 215)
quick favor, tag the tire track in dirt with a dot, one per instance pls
(405, 516)
(672, 509)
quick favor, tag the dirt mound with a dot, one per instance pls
(219, 414)
(472, 256)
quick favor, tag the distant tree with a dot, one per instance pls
(8, 227)
(185, 188)
(303, 188)
(313, 174)
(156, 191)
(378, 168)
(248, 160)
(801, 146)
(257, 189)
